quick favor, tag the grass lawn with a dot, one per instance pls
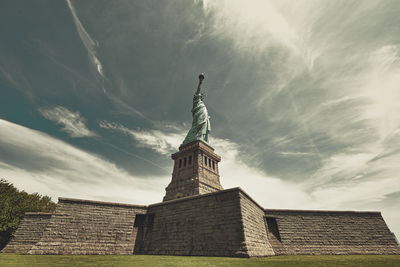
(141, 260)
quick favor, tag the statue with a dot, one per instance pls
(201, 121)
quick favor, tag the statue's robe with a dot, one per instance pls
(201, 121)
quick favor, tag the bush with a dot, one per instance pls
(14, 204)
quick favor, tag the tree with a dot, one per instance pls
(13, 205)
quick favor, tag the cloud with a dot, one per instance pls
(379, 84)
(366, 119)
(254, 26)
(294, 153)
(339, 168)
(162, 142)
(68, 171)
(89, 43)
(72, 122)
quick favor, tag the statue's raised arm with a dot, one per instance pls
(201, 121)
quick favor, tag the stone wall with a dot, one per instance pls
(223, 223)
(329, 232)
(208, 161)
(203, 225)
(195, 171)
(90, 227)
(28, 233)
(256, 240)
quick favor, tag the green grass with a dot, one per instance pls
(140, 260)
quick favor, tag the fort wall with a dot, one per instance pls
(28, 233)
(254, 228)
(203, 225)
(89, 227)
(223, 223)
(329, 232)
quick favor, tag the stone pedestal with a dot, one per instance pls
(195, 171)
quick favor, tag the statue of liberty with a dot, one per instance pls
(201, 121)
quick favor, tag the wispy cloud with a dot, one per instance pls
(335, 102)
(368, 111)
(294, 153)
(380, 85)
(257, 25)
(89, 43)
(72, 122)
(162, 142)
(53, 167)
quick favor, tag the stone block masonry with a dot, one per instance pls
(28, 233)
(195, 171)
(256, 239)
(89, 227)
(329, 232)
(231, 223)
(222, 223)
(202, 225)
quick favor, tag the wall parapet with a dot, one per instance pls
(188, 198)
(322, 212)
(32, 214)
(95, 202)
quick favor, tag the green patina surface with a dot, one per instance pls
(144, 260)
(201, 121)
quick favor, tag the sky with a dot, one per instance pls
(304, 98)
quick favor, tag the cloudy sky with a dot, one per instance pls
(304, 98)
